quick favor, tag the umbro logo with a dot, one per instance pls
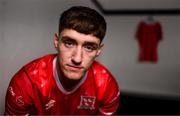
(50, 104)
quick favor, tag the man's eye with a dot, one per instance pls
(89, 48)
(68, 44)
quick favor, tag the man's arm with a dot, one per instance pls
(19, 95)
(111, 98)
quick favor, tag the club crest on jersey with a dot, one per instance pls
(87, 102)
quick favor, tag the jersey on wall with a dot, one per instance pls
(148, 36)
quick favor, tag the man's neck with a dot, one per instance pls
(68, 84)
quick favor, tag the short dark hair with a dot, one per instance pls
(84, 20)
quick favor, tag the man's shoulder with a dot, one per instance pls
(99, 69)
(41, 62)
(36, 68)
(41, 67)
(101, 73)
(104, 80)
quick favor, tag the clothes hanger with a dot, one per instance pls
(150, 19)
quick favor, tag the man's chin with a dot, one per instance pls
(74, 76)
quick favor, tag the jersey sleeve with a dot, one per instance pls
(159, 31)
(18, 95)
(138, 33)
(111, 97)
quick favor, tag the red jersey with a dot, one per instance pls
(36, 89)
(148, 36)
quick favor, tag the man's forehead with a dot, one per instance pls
(72, 34)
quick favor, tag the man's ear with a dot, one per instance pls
(56, 40)
(99, 50)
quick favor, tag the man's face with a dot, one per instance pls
(76, 52)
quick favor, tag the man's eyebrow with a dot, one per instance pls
(91, 43)
(86, 42)
(63, 38)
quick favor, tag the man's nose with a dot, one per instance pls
(77, 56)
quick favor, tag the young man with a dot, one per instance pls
(71, 81)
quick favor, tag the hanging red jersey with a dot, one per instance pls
(148, 36)
(36, 89)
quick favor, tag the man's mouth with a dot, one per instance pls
(74, 68)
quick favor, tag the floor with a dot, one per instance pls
(143, 104)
